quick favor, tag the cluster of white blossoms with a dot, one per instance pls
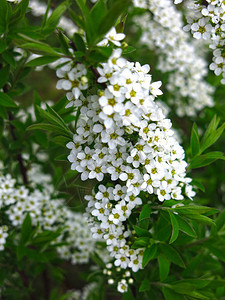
(208, 22)
(48, 214)
(123, 139)
(163, 32)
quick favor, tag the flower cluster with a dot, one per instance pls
(208, 23)
(114, 277)
(163, 33)
(73, 80)
(123, 135)
(48, 214)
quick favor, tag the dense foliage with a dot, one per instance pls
(112, 164)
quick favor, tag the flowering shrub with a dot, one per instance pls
(108, 188)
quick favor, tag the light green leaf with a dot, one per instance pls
(43, 60)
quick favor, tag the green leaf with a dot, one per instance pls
(195, 145)
(185, 227)
(205, 159)
(26, 229)
(220, 221)
(149, 254)
(89, 24)
(4, 75)
(164, 267)
(144, 216)
(145, 285)
(43, 60)
(98, 11)
(19, 13)
(212, 138)
(61, 140)
(111, 16)
(3, 16)
(219, 253)
(47, 127)
(170, 294)
(79, 43)
(211, 128)
(6, 101)
(54, 18)
(175, 227)
(142, 232)
(40, 48)
(183, 287)
(193, 209)
(140, 242)
(201, 219)
(172, 254)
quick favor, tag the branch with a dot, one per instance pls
(23, 169)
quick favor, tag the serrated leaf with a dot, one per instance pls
(175, 227)
(149, 254)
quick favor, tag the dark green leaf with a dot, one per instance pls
(175, 227)
(6, 101)
(164, 267)
(3, 16)
(205, 159)
(4, 74)
(142, 232)
(185, 227)
(112, 15)
(195, 145)
(172, 254)
(149, 254)
(212, 138)
(79, 43)
(54, 19)
(26, 229)
(98, 11)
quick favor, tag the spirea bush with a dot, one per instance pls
(111, 160)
